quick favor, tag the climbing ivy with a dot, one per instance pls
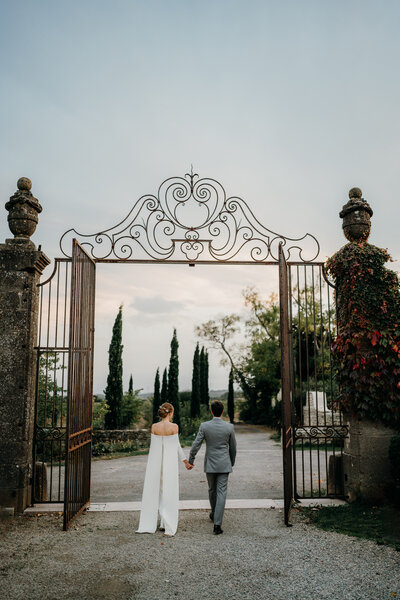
(366, 350)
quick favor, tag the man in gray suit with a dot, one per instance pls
(218, 461)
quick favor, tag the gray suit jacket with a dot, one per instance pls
(220, 446)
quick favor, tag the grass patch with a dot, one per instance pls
(381, 524)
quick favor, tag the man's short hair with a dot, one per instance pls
(217, 408)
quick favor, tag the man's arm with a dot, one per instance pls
(232, 447)
(196, 444)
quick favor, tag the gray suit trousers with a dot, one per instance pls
(217, 488)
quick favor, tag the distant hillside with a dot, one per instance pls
(213, 393)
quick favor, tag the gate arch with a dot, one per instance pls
(190, 221)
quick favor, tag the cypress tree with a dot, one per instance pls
(114, 392)
(195, 400)
(164, 388)
(205, 395)
(202, 375)
(173, 375)
(130, 407)
(231, 398)
(207, 378)
(156, 397)
(130, 388)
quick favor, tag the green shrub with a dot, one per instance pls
(274, 418)
(99, 411)
(104, 448)
(189, 426)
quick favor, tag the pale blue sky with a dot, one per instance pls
(288, 104)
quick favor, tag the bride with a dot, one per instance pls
(161, 485)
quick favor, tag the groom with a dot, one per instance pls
(218, 461)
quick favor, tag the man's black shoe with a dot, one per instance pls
(211, 517)
(217, 529)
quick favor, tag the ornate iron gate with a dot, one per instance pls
(80, 385)
(313, 430)
(190, 221)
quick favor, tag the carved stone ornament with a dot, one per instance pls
(23, 210)
(356, 215)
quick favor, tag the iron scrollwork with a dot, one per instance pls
(328, 431)
(191, 219)
(50, 433)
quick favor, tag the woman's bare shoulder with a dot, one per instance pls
(164, 429)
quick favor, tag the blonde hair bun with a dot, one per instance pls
(165, 409)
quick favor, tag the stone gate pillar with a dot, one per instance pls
(21, 265)
(366, 351)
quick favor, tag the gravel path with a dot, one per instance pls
(256, 558)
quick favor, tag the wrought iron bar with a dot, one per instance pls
(286, 387)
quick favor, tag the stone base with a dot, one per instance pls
(41, 485)
(15, 498)
(335, 475)
(366, 462)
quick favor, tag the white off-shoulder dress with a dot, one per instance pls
(161, 485)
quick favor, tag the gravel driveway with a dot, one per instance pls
(257, 472)
(256, 558)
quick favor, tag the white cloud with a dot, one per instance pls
(157, 305)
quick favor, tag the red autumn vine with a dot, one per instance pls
(366, 350)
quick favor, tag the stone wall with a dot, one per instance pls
(140, 436)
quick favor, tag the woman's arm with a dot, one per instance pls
(182, 456)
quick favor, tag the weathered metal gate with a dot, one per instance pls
(63, 423)
(190, 221)
(80, 384)
(313, 430)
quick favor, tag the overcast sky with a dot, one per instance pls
(287, 104)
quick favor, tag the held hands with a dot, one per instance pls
(188, 465)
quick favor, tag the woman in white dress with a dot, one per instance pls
(161, 483)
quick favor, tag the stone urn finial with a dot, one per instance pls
(23, 210)
(356, 215)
